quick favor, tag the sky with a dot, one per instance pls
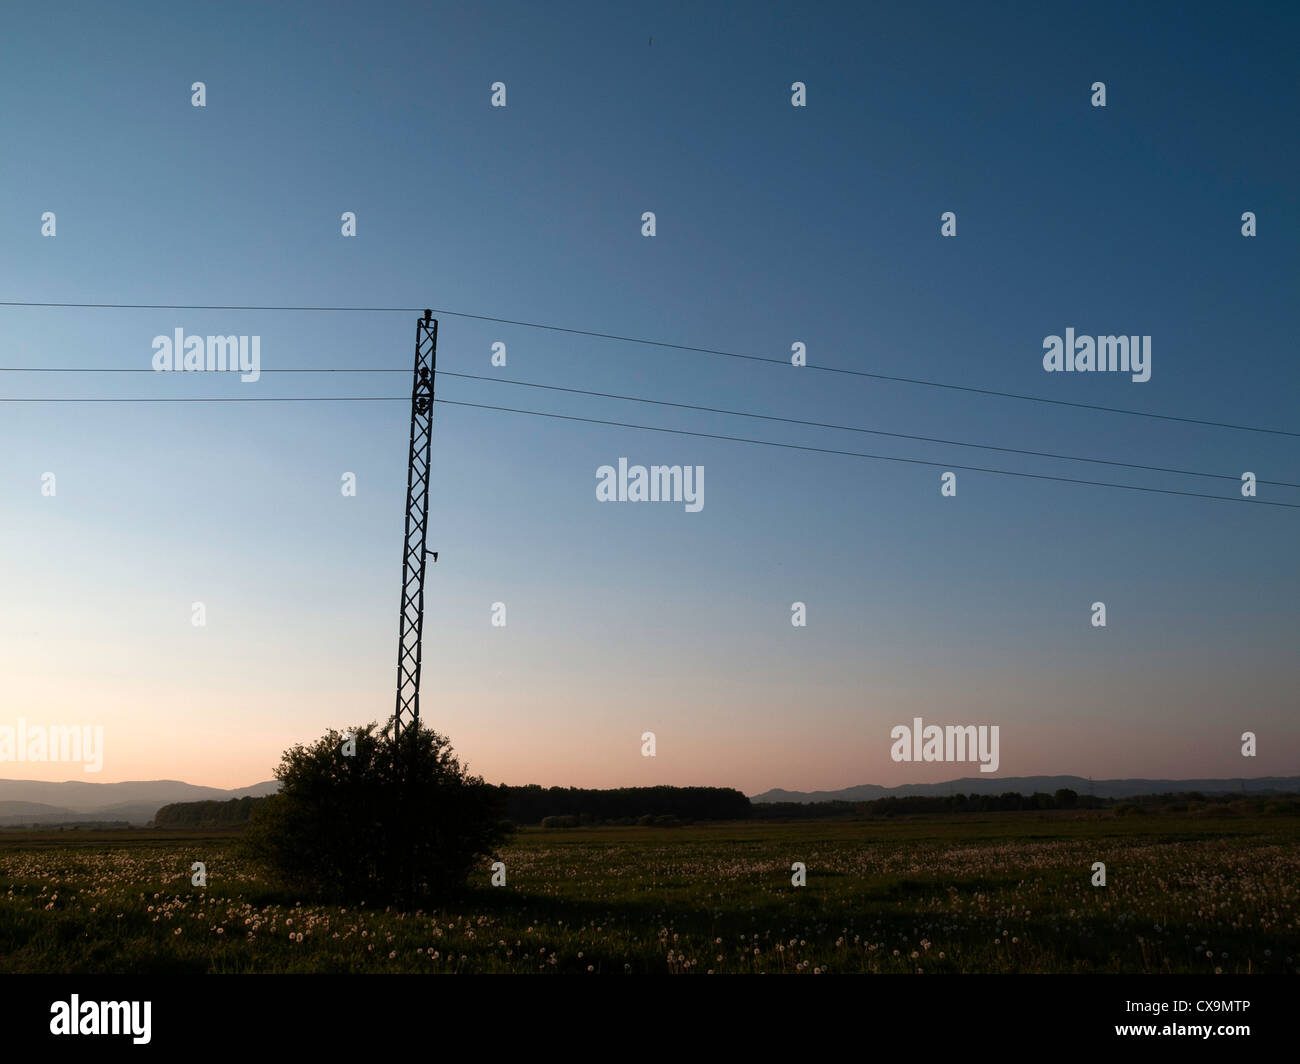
(774, 224)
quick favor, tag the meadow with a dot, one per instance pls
(1002, 893)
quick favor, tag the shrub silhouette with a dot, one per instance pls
(397, 820)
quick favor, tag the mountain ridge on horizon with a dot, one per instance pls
(26, 802)
(1116, 788)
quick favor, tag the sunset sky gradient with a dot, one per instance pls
(775, 224)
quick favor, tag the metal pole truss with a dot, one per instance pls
(414, 552)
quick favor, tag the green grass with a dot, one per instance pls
(1005, 892)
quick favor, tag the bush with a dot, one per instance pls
(559, 821)
(376, 818)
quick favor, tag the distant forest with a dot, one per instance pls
(1013, 801)
(556, 806)
(559, 807)
(208, 814)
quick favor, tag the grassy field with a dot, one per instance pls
(1001, 892)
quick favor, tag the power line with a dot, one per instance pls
(198, 306)
(856, 428)
(139, 369)
(653, 428)
(683, 347)
(878, 457)
(224, 399)
(690, 406)
(705, 409)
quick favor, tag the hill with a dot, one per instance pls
(1128, 788)
(27, 802)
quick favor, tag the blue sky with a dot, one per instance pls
(774, 224)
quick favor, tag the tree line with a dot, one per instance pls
(233, 813)
(531, 804)
(1013, 801)
(524, 805)
(902, 805)
(573, 806)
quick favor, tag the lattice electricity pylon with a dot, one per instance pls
(414, 552)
